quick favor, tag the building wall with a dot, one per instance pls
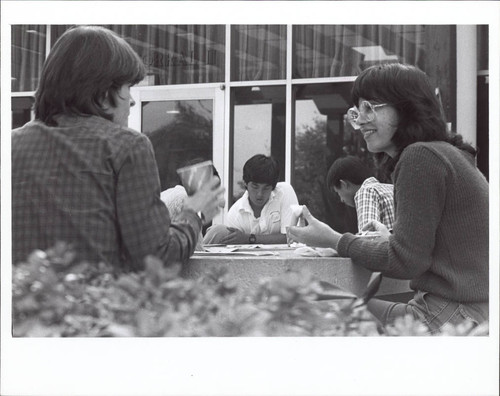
(284, 90)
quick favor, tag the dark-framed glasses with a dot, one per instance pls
(366, 109)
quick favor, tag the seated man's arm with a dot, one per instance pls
(143, 219)
(287, 198)
(233, 236)
(237, 231)
(232, 232)
(269, 239)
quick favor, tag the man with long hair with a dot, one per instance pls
(81, 176)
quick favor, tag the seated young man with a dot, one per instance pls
(357, 187)
(264, 211)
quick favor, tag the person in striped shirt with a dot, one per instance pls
(357, 187)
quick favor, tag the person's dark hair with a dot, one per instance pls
(348, 168)
(410, 92)
(261, 169)
(86, 64)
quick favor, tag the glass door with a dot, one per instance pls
(258, 127)
(184, 124)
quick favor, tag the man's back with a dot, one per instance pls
(63, 186)
(91, 183)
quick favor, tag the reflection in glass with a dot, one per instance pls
(258, 52)
(174, 54)
(321, 136)
(180, 131)
(258, 128)
(346, 50)
(27, 56)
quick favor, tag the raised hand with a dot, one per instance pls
(315, 233)
(207, 200)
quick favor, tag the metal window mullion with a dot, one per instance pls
(466, 104)
(227, 122)
(252, 83)
(324, 80)
(288, 107)
(48, 47)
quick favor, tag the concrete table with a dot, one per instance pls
(249, 270)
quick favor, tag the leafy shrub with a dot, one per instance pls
(54, 295)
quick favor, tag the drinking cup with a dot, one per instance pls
(194, 176)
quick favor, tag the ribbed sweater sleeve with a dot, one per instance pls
(440, 236)
(420, 196)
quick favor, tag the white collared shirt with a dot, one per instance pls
(275, 216)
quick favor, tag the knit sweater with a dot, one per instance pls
(440, 236)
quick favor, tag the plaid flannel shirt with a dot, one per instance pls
(93, 184)
(375, 201)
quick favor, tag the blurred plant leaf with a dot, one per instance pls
(54, 295)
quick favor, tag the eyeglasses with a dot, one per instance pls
(366, 109)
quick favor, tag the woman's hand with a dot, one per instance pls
(207, 200)
(315, 233)
(376, 228)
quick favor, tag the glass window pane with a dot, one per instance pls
(258, 52)
(482, 47)
(345, 50)
(22, 108)
(56, 31)
(258, 128)
(175, 54)
(27, 57)
(180, 131)
(322, 136)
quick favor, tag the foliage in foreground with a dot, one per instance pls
(53, 295)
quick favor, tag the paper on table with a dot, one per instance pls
(247, 247)
(242, 250)
(234, 253)
(219, 249)
(261, 247)
(308, 251)
(230, 250)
